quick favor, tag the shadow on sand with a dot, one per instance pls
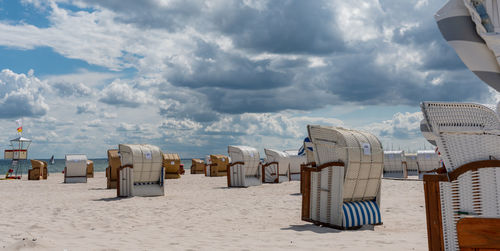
(112, 199)
(323, 230)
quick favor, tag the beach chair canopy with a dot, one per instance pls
(281, 157)
(145, 159)
(393, 161)
(361, 153)
(472, 28)
(76, 165)
(249, 155)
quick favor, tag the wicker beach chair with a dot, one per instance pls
(218, 165)
(395, 164)
(141, 172)
(197, 166)
(275, 170)
(244, 170)
(411, 164)
(75, 170)
(467, 136)
(90, 169)
(428, 161)
(172, 165)
(38, 170)
(341, 189)
(296, 161)
(114, 164)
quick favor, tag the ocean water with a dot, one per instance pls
(100, 165)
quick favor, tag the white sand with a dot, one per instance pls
(197, 213)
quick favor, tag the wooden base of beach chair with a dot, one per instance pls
(433, 207)
(478, 234)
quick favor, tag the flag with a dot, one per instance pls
(19, 126)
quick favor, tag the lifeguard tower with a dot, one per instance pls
(19, 156)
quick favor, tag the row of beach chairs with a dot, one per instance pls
(398, 164)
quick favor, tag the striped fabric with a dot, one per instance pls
(302, 150)
(457, 27)
(359, 213)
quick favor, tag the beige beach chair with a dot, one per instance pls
(90, 169)
(218, 165)
(172, 165)
(342, 187)
(395, 165)
(76, 168)
(141, 172)
(295, 161)
(244, 170)
(38, 170)
(114, 164)
(197, 166)
(468, 137)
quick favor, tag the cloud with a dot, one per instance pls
(21, 95)
(120, 93)
(72, 89)
(86, 108)
(401, 126)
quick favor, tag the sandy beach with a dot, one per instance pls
(197, 213)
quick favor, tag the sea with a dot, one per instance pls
(100, 165)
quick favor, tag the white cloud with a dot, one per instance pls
(120, 93)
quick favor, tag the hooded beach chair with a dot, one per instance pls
(217, 165)
(197, 166)
(75, 170)
(141, 172)
(172, 165)
(244, 170)
(295, 161)
(38, 170)
(468, 137)
(411, 164)
(114, 164)
(90, 169)
(342, 186)
(275, 170)
(427, 160)
(395, 164)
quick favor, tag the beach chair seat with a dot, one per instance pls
(172, 165)
(341, 189)
(75, 170)
(467, 135)
(244, 170)
(141, 172)
(114, 164)
(197, 166)
(218, 165)
(395, 164)
(90, 169)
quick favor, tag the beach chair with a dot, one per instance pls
(141, 172)
(276, 166)
(395, 165)
(341, 189)
(217, 165)
(75, 170)
(38, 170)
(90, 169)
(172, 165)
(197, 166)
(468, 137)
(114, 164)
(411, 164)
(295, 161)
(244, 170)
(428, 161)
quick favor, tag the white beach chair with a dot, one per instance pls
(141, 172)
(411, 164)
(296, 161)
(75, 170)
(275, 170)
(342, 189)
(244, 170)
(427, 160)
(395, 164)
(468, 137)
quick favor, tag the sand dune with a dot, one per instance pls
(197, 213)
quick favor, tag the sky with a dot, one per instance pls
(194, 76)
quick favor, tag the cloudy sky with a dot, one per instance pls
(193, 76)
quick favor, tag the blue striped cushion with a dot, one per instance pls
(359, 213)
